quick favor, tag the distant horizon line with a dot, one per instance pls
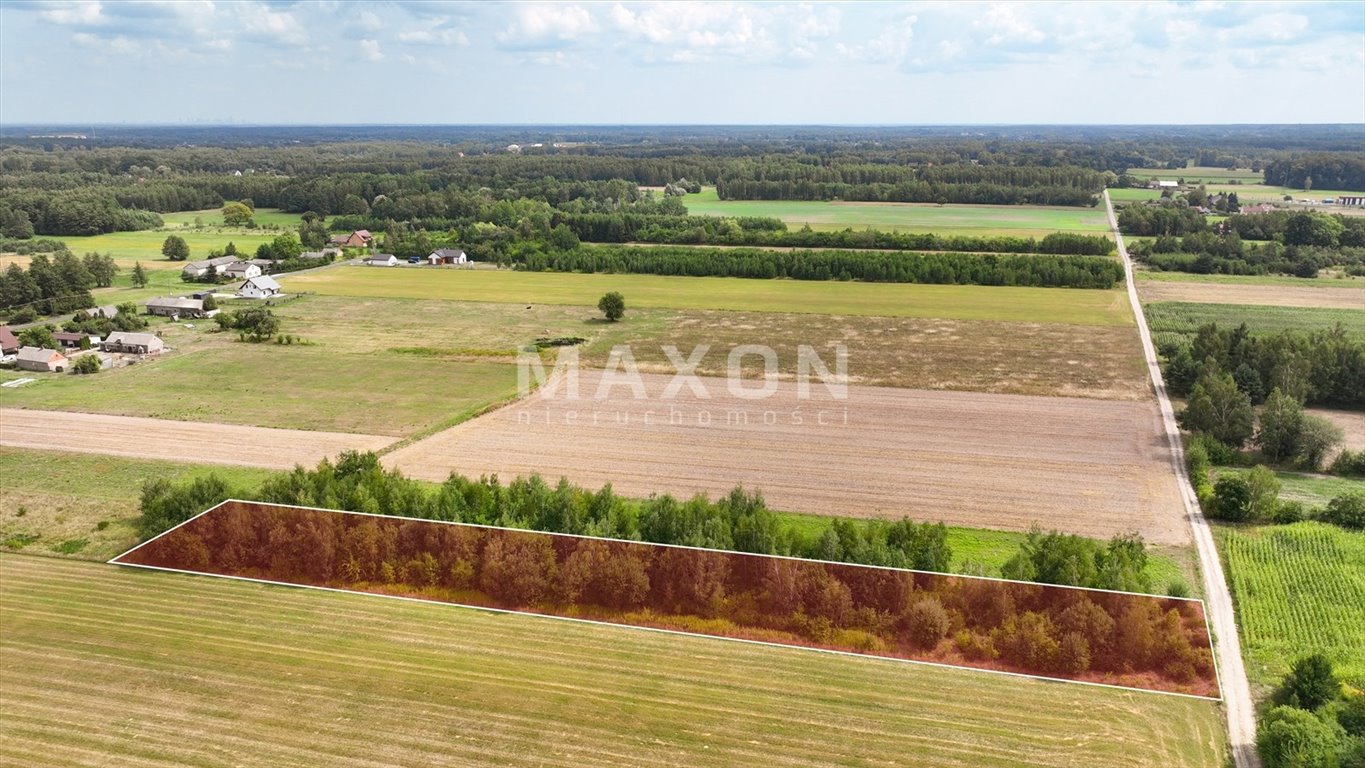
(210, 124)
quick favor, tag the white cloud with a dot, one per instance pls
(546, 25)
(890, 46)
(1006, 25)
(84, 13)
(277, 26)
(369, 50)
(434, 37)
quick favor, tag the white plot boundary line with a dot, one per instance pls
(621, 625)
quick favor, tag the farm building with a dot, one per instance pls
(9, 343)
(361, 238)
(39, 359)
(1166, 184)
(134, 343)
(108, 311)
(72, 339)
(260, 287)
(448, 256)
(1351, 200)
(195, 269)
(382, 260)
(173, 307)
(242, 270)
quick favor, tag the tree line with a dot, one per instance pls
(997, 624)
(1324, 170)
(54, 284)
(938, 268)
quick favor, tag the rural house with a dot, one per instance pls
(72, 339)
(39, 359)
(197, 269)
(448, 256)
(361, 238)
(259, 287)
(134, 343)
(173, 307)
(242, 270)
(9, 343)
(382, 260)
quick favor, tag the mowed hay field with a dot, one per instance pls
(988, 461)
(953, 302)
(973, 220)
(917, 353)
(103, 664)
(1349, 296)
(1177, 317)
(1299, 589)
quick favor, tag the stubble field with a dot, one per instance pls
(1308, 296)
(996, 461)
(289, 678)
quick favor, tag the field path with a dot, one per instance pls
(1218, 599)
(1084, 466)
(185, 441)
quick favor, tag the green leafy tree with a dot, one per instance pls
(1293, 738)
(38, 336)
(1317, 437)
(1218, 408)
(86, 364)
(237, 214)
(175, 248)
(613, 306)
(139, 275)
(1307, 228)
(1311, 683)
(1232, 498)
(1281, 426)
(1264, 489)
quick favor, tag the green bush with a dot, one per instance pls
(1293, 738)
(1232, 498)
(1347, 511)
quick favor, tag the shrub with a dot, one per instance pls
(1178, 588)
(1287, 512)
(1349, 464)
(1347, 511)
(1232, 498)
(612, 305)
(1293, 738)
(927, 622)
(1310, 684)
(975, 646)
(86, 364)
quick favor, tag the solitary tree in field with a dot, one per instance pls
(236, 215)
(613, 306)
(175, 248)
(139, 276)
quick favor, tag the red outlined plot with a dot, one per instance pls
(1063, 633)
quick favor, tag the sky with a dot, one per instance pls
(195, 61)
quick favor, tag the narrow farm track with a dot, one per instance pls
(158, 669)
(185, 441)
(1241, 712)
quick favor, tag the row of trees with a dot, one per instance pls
(739, 521)
(1028, 628)
(631, 226)
(80, 211)
(1325, 170)
(941, 268)
(772, 178)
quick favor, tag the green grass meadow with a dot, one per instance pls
(963, 302)
(974, 220)
(1184, 318)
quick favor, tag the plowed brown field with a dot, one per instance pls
(1312, 296)
(996, 461)
(187, 441)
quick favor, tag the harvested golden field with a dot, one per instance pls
(992, 461)
(110, 666)
(1318, 295)
(186, 441)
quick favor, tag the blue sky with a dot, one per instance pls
(681, 62)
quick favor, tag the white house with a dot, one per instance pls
(382, 260)
(448, 256)
(242, 270)
(134, 343)
(259, 287)
(195, 269)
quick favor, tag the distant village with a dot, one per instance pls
(256, 283)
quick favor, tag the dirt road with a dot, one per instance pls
(184, 441)
(1218, 599)
(983, 460)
